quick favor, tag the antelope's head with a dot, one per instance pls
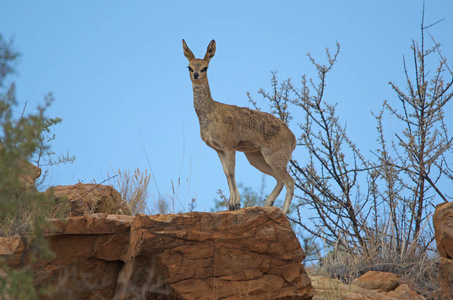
(198, 67)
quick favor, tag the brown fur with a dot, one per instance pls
(266, 141)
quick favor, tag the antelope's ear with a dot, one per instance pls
(187, 53)
(210, 51)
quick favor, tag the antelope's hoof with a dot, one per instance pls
(234, 207)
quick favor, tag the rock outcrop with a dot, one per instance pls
(247, 254)
(443, 227)
(87, 199)
(29, 172)
(370, 286)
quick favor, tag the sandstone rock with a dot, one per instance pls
(403, 292)
(373, 280)
(327, 288)
(355, 296)
(87, 199)
(443, 227)
(247, 254)
(30, 174)
(227, 255)
(446, 278)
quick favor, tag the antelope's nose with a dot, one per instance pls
(195, 75)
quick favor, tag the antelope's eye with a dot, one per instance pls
(204, 69)
(190, 69)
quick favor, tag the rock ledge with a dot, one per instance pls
(251, 253)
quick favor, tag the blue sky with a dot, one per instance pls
(119, 77)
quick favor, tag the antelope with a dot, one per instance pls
(266, 141)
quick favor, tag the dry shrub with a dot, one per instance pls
(29, 206)
(416, 265)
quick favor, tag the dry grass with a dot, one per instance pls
(134, 189)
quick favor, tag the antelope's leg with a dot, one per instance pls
(228, 159)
